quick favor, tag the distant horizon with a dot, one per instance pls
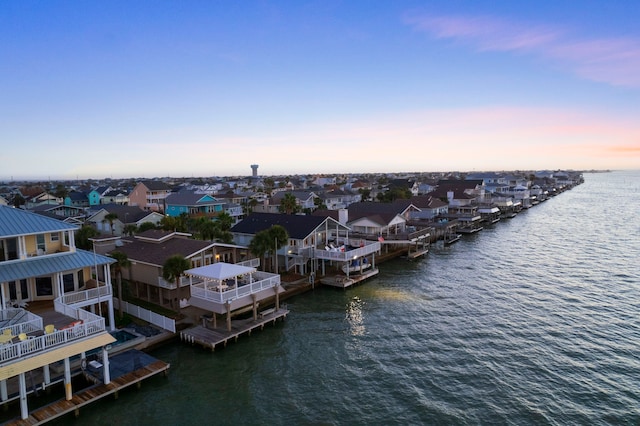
(141, 178)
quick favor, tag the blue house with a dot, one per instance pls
(193, 204)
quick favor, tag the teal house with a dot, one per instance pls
(192, 204)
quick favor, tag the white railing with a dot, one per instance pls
(87, 324)
(87, 295)
(148, 316)
(28, 322)
(208, 292)
(184, 282)
(344, 256)
(251, 263)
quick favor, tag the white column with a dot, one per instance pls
(68, 392)
(4, 395)
(47, 375)
(112, 320)
(24, 408)
(105, 365)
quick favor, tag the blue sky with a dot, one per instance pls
(188, 88)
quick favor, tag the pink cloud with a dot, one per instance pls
(614, 61)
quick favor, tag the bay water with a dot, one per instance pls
(533, 321)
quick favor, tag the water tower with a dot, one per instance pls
(254, 170)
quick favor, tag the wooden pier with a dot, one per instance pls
(209, 337)
(342, 281)
(91, 394)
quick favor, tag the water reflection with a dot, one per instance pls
(354, 316)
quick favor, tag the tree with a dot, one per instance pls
(145, 226)
(173, 269)
(260, 245)
(83, 236)
(225, 220)
(279, 237)
(111, 217)
(122, 261)
(289, 204)
(130, 229)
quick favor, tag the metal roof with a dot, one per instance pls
(14, 222)
(47, 265)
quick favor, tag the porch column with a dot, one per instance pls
(105, 366)
(47, 375)
(4, 395)
(24, 409)
(67, 380)
(255, 307)
(112, 320)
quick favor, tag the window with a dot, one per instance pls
(40, 244)
(68, 283)
(44, 286)
(54, 237)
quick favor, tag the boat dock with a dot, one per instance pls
(209, 337)
(130, 367)
(342, 281)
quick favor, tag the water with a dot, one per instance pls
(532, 321)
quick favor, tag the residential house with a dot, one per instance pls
(193, 204)
(310, 238)
(126, 215)
(39, 262)
(78, 199)
(150, 195)
(339, 199)
(115, 196)
(149, 250)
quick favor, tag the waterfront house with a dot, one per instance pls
(313, 239)
(149, 250)
(150, 195)
(40, 265)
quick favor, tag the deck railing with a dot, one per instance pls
(344, 256)
(87, 324)
(207, 290)
(87, 295)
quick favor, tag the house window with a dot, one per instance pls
(68, 283)
(44, 286)
(40, 244)
(54, 237)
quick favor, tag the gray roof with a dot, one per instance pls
(15, 222)
(47, 265)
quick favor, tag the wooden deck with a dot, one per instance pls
(91, 394)
(341, 281)
(209, 337)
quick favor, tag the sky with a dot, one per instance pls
(96, 89)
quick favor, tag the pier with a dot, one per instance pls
(211, 337)
(342, 281)
(130, 367)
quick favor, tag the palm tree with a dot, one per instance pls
(289, 204)
(260, 245)
(173, 269)
(122, 261)
(279, 236)
(111, 217)
(225, 220)
(130, 229)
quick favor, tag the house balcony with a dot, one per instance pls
(171, 285)
(24, 334)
